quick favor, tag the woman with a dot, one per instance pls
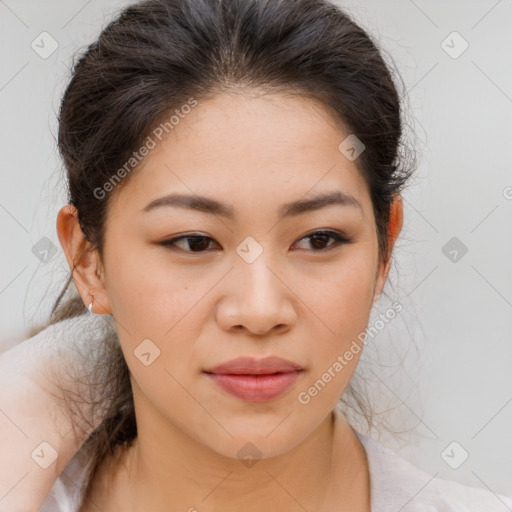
(234, 198)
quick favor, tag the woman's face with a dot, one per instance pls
(253, 282)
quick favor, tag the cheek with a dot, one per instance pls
(341, 293)
(156, 308)
(147, 295)
(164, 303)
(342, 300)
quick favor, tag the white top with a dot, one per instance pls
(396, 486)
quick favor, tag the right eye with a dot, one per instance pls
(189, 243)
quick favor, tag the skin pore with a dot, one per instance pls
(303, 299)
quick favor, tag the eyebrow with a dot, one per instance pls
(292, 209)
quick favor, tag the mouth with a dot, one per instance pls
(255, 387)
(255, 380)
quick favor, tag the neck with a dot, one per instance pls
(166, 468)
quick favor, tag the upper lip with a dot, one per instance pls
(253, 366)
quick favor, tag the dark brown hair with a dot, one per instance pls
(153, 58)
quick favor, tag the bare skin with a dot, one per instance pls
(204, 307)
(37, 435)
(334, 488)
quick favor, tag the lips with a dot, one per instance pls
(252, 366)
(255, 380)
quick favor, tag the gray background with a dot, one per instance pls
(445, 362)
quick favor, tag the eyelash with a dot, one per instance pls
(339, 240)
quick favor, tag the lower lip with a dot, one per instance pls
(256, 388)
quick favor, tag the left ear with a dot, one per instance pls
(396, 217)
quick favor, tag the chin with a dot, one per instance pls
(252, 441)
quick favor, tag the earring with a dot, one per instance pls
(89, 307)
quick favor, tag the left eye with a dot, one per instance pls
(200, 243)
(318, 239)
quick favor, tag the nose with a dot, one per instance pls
(258, 299)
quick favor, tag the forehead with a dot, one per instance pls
(248, 149)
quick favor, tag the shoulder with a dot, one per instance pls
(68, 491)
(398, 485)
